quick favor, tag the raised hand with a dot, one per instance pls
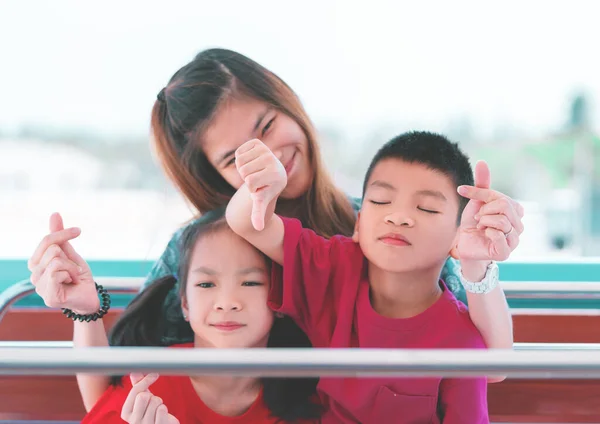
(142, 407)
(61, 277)
(263, 174)
(491, 222)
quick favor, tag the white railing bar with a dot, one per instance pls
(304, 362)
(517, 346)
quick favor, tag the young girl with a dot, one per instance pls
(209, 108)
(222, 284)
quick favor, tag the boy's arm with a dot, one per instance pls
(463, 400)
(239, 217)
(250, 212)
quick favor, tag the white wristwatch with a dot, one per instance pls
(489, 282)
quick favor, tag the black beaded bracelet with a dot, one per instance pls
(92, 317)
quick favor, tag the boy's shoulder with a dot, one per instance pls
(459, 330)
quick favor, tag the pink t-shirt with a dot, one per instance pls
(323, 286)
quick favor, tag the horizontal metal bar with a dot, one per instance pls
(513, 289)
(24, 288)
(551, 286)
(517, 346)
(583, 364)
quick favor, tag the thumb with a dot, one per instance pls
(136, 377)
(173, 420)
(259, 210)
(483, 177)
(56, 222)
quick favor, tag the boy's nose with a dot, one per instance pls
(400, 220)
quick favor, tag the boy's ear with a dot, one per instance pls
(355, 234)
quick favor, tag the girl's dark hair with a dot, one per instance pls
(146, 322)
(184, 109)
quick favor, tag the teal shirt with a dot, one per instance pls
(168, 263)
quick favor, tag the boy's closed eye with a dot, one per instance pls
(427, 210)
(378, 202)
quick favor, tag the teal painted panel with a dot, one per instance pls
(12, 271)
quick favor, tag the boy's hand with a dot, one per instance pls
(263, 174)
(491, 222)
(142, 407)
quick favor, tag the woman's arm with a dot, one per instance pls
(64, 280)
(91, 386)
(489, 312)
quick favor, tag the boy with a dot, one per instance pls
(380, 288)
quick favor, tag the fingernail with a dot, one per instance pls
(477, 217)
(461, 190)
(80, 269)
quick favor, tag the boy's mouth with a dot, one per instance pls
(395, 239)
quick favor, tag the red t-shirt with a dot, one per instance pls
(180, 398)
(323, 286)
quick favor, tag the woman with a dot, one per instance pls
(209, 108)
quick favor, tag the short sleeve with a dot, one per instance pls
(308, 286)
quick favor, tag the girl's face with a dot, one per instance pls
(240, 120)
(226, 293)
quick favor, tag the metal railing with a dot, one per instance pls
(24, 288)
(582, 364)
(513, 290)
(517, 346)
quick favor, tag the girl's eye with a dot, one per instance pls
(427, 210)
(251, 283)
(205, 285)
(379, 203)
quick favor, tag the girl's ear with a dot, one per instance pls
(185, 308)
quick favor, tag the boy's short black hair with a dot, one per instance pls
(432, 150)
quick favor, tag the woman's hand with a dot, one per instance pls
(491, 222)
(61, 277)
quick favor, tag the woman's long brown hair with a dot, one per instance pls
(183, 111)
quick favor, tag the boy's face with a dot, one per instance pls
(408, 217)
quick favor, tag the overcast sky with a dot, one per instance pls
(99, 66)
